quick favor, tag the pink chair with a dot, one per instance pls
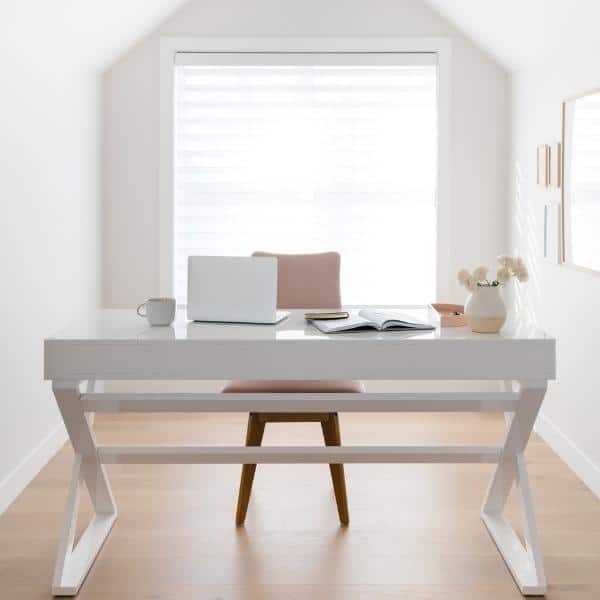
(305, 281)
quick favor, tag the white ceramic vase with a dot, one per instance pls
(485, 310)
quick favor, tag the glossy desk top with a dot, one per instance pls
(118, 344)
(112, 325)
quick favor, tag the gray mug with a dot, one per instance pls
(158, 311)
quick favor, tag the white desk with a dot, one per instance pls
(118, 345)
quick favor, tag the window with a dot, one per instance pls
(581, 187)
(292, 152)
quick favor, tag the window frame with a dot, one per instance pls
(170, 46)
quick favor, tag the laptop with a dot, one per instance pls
(233, 289)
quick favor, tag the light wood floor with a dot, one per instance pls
(414, 533)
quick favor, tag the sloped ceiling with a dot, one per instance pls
(519, 34)
(123, 23)
(524, 34)
(89, 33)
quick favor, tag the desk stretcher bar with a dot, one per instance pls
(309, 403)
(299, 454)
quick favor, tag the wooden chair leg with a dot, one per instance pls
(254, 436)
(332, 436)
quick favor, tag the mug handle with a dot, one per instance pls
(142, 305)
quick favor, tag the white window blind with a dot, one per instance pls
(309, 153)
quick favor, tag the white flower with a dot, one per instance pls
(503, 274)
(522, 274)
(518, 263)
(470, 284)
(480, 273)
(519, 269)
(506, 261)
(463, 277)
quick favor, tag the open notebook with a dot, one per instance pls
(372, 319)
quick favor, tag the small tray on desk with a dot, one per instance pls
(451, 315)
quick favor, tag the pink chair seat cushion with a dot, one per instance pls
(293, 386)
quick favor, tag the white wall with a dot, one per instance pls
(51, 59)
(49, 234)
(479, 125)
(563, 300)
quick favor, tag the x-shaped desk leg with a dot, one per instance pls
(523, 561)
(74, 562)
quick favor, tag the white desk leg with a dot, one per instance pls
(73, 563)
(524, 562)
(90, 388)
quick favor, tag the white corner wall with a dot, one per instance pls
(563, 300)
(49, 229)
(131, 129)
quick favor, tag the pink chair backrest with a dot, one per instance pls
(307, 280)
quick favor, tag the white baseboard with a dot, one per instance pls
(575, 459)
(20, 477)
